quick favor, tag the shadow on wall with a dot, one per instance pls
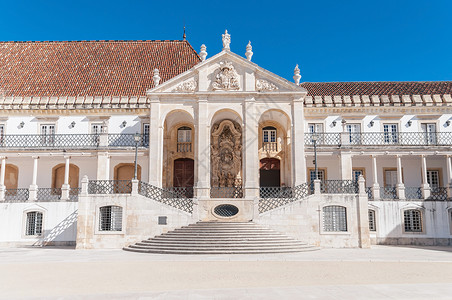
(64, 228)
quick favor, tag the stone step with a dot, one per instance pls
(213, 231)
(223, 242)
(210, 238)
(229, 251)
(217, 245)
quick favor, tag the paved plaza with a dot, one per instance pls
(381, 272)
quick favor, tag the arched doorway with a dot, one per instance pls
(126, 171)
(269, 171)
(184, 176)
(58, 176)
(11, 176)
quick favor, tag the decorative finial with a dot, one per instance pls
(203, 53)
(249, 52)
(226, 40)
(296, 75)
(156, 77)
(184, 36)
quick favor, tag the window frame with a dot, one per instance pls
(421, 222)
(26, 213)
(440, 178)
(324, 230)
(362, 170)
(374, 220)
(312, 169)
(390, 134)
(98, 217)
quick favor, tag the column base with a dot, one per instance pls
(400, 191)
(65, 189)
(376, 191)
(33, 192)
(2, 192)
(426, 191)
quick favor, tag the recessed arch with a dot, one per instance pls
(179, 114)
(125, 171)
(58, 175)
(11, 176)
(225, 114)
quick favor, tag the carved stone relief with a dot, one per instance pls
(226, 154)
(265, 86)
(188, 86)
(227, 78)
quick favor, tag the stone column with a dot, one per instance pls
(449, 177)
(400, 186)
(251, 149)
(426, 192)
(363, 215)
(103, 166)
(155, 143)
(65, 188)
(298, 161)
(2, 178)
(375, 185)
(33, 190)
(346, 165)
(202, 151)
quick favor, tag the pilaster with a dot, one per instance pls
(298, 152)
(202, 150)
(251, 150)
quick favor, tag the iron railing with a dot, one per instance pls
(49, 194)
(226, 192)
(339, 187)
(274, 197)
(109, 187)
(381, 139)
(178, 192)
(16, 195)
(388, 192)
(73, 194)
(164, 196)
(413, 193)
(69, 141)
(369, 192)
(438, 194)
(125, 140)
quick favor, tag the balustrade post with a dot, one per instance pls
(33, 190)
(103, 139)
(65, 188)
(135, 183)
(317, 190)
(426, 191)
(2, 179)
(362, 186)
(449, 177)
(375, 186)
(400, 186)
(85, 182)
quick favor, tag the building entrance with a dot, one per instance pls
(269, 171)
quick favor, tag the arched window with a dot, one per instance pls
(34, 223)
(269, 139)
(110, 218)
(372, 224)
(334, 218)
(184, 139)
(58, 175)
(412, 219)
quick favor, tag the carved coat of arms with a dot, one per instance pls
(227, 78)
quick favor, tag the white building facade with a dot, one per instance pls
(214, 139)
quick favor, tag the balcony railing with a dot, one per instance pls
(270, 146)
(183, 147)
(178, 192)
(68, 141)
(339, 187)
(16, 195)
(49, 194)
(381, 139)
(109, 187)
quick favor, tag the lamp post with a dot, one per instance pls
(314, 140)
(137, 139)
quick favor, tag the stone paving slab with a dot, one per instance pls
(382, 272)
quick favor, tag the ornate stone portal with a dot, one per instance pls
(226, 154)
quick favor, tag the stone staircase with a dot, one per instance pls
(221, 238)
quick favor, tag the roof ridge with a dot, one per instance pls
(433, 81)
(92, 41)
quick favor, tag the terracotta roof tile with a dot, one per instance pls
(378, 88)
(94, 68)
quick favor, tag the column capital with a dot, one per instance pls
(67, 157)
(35, 157)
(2, 157)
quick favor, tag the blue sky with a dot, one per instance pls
(330, 40)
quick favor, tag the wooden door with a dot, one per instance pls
(184, 172)
(269, 171)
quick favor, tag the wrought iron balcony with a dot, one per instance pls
(380, 139)
(70, 141)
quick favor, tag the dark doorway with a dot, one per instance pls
(184, 171)
(270, 174)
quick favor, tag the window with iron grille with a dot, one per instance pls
(34, 223)
(320, 174)
(391, 133)
(433, 178)
(2, 133)
(110, 218)
(334, 218)
(412, 220)
(146, 134)
(356, 173)
(47, 134)
(372, 224)
(354, 133)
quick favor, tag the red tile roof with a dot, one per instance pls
(90, 68)
(377, 88)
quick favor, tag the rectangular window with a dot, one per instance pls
(320, 172)
(96, 128)
(47, 134)
(316, 128)
(372, 225)
(110, 218)
(2, 133)
(433, 178)
(429, 131)
(391, 135)
(354, 133)
(146, 134)
(334, 218)
(390, 178)
(356, 173)
(412, 220)
(34, 223)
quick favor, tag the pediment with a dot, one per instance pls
(226, 72)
